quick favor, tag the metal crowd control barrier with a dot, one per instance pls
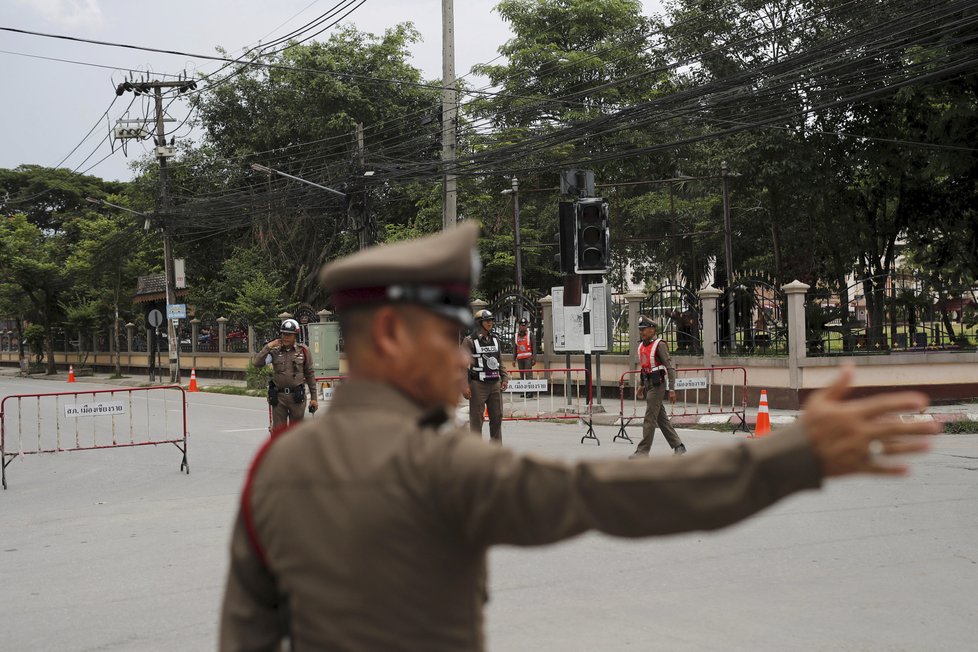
(544, 395)
(325, 385)
(549, 394)
(700, 391)
(57, 422)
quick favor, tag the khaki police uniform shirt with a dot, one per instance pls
(375, 526)
(290, 367)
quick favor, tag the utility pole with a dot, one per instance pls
(366, 227)
(163, 209)
(515, 192)
(448, 112)
(728, 262)
(163, 201)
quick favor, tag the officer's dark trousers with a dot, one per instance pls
(287, 411)
(525, 363)
(486, 395)
(655, 415)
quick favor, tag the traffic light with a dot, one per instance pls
(591, 237)
(566, 227)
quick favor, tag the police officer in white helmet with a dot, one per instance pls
(292, 373)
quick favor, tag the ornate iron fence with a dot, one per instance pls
(758, 312)
(207, 335)
(236, 337)
(508, 307)
(680, 315)
(884, 313)
(620, 343)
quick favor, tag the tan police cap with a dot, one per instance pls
(436, 272)
(647, 322)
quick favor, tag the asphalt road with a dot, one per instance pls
(118, 550)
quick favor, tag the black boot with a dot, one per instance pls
(679, 450)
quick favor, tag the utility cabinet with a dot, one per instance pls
(324, 345)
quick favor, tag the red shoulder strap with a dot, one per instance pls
(246, 514)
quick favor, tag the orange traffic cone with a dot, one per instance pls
(71, 373)
(763, 426)
(485, 415)
(193, 381)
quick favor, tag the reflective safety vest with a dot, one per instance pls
(524, 349)
(647, 359)
(485, 360)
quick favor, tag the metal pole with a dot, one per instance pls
(728, 262)
(448, 111)
(174, 341)
(516, 229)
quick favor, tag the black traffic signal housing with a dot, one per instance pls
(566, 227)
(591, 238)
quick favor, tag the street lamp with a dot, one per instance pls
(267, 170)
(515, 192)
(93, 200)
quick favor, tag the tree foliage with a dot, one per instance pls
(847, 128)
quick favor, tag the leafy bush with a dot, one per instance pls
(34, 335)
(965, 426)
(258, 377)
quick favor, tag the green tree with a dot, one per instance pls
(301, 117)
(111, 252)
(33, 261)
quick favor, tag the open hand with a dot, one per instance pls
(855, 436)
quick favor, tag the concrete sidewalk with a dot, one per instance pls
(134, 380)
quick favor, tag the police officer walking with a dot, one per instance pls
(658, 376)
(292, 372)
(369, 528)
(487, 377)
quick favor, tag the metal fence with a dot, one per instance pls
(620, 341)
(679, 313)
(508, 308)
(888, 313)
(757, 311)
(700, 391)
(31, 424)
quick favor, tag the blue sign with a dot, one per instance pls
(176, 311)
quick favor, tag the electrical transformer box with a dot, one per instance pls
(324, 345)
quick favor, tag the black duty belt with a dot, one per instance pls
(289, 390)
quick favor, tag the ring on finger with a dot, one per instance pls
(876, 447)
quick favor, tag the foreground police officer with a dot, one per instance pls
(368, 529)
(657, 378)
(292, 371)
(487, 377)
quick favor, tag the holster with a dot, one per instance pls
(272, 394)
(651, 379)
(299, 393)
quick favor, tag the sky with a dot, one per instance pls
(48, 108)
